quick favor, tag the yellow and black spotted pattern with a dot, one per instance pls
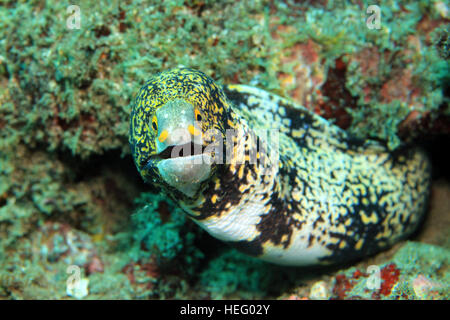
(331, 198)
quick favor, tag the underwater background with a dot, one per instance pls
(73, 204)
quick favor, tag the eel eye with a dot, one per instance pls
(198, 115)
(155, 123)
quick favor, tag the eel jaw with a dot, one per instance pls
(185, 173)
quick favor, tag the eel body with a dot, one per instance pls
(270, 177)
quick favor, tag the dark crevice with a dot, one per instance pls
(85, 169)
(437, 149)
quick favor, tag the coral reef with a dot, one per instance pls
(68, 188)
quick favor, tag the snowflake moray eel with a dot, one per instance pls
(325, 197)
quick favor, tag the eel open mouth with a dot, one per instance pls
(179, 151)
(183, 166)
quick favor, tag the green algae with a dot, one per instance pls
(77, 90)
(166, 240)
(233, 274)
